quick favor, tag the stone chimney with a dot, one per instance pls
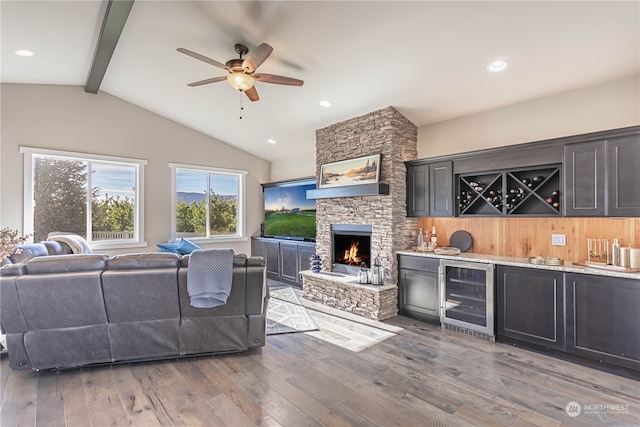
(385, 132)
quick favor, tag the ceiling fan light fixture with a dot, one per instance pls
(24, 52)
(240, 81)
(497, 66)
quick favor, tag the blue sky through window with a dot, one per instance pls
(114, 180)
(190, 181)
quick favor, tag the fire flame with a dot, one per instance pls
(351, 255)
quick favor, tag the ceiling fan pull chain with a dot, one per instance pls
(241, 104)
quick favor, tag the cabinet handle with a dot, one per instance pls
(441, 289)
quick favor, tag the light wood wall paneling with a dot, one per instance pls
(526, 237)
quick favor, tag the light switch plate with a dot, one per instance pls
(558, 240)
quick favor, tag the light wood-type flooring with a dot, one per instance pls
(419, 376)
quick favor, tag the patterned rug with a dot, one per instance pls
(286, 314)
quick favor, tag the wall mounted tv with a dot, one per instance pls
(288, 214)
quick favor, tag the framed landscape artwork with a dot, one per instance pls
(362, 170)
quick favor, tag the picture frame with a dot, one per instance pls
(358, 171)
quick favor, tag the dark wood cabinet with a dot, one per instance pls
(584, 179)
(601, 177)
(623, 176)
(418, 288)
(284, 259)
(289, 261)
(441, 189)
(602, 319)
(305, 252)
(417, 190)
(430, 189)
(272, 258)
(530, 306)
(588, 175)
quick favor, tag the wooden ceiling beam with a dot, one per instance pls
(114, 19)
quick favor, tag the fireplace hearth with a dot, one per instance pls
(351, 247)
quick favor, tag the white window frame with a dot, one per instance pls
(241, 235)
(28, 219)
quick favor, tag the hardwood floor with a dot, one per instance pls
(420, 376)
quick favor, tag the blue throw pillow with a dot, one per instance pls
(185, 247)
(169, 247)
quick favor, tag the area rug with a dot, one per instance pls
(286, 314)
(347, 330)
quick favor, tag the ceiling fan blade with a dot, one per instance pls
(256, 57)
(207, 81)
(202, 58)
(252, 94)
(279, 80)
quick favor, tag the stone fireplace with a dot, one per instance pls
(351, 247)
(385, 132)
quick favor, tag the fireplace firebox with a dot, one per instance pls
(351, 247)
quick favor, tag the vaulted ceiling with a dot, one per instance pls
(428, 59)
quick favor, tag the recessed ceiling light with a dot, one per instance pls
(23, 52)
(497, 66)
(324, 103)
(271, 141)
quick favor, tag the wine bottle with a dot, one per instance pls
(434, 237)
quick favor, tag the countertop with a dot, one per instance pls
(568, 266)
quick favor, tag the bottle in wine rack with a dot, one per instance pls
(528, 182)
(537, 180)
(554, 199)
(476, 186)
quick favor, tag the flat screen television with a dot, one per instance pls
(288, 214)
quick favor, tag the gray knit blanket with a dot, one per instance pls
(209, 277)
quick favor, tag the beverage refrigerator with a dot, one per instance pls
(467, 295)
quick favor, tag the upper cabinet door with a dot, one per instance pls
(584, 179)
(441, 189)
(623, 176)
(418, 190)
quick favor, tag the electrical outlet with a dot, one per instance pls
(558, 240)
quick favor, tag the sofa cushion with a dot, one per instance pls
(65, 263)
(185, 247)
(26, 252)
(143, 260)
(180, 247)
(53, 301)
(145, 294)
(169, 247)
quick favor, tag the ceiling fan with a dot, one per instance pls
(242, 71)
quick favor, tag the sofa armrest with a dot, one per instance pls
(256, 293)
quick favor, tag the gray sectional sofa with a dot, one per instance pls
(63, 311)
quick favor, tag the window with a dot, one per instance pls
(96, 197)
(208, 203)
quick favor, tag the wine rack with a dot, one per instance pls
(525, 192)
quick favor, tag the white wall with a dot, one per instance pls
(66, 118)
(295, 168)
(606, 106)
(609, 105)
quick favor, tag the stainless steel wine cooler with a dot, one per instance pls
(467, 295)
